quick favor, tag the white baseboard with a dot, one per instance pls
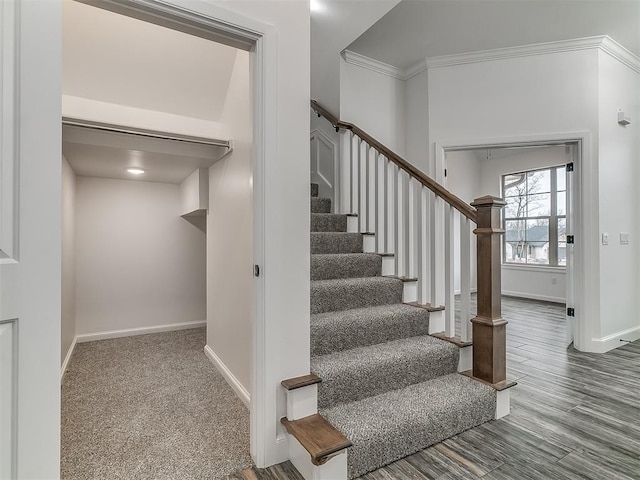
(604, 344)
(65, 364)
(130, 332)
(534, 296)
(228, 376)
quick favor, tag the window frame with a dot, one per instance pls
(552, 219)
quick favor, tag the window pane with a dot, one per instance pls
(515, 241)
(562, 254)
(562, 203)
(561, 176)
(539, 205)
(539, 182)
(562, 229)
(516, 207)
(537, 240)
(515, 185)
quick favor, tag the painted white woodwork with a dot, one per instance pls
(8, 367)
(409, 292)
(194, 193)
(324, 164)
(131, 332)
(334, 469)
(138, 264)
(228, 375)
(503, 403)
(302, 402)
(465, 361)
(30, 270)
(8, 132)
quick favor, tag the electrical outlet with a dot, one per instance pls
(624, 239)
(605, 239)
(554, 281)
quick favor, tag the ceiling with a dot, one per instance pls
(418, 29)
(117, 59)
(98, 153)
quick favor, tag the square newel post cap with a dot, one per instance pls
(488, 201)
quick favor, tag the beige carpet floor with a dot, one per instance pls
(150, 407)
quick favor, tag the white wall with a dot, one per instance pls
(619, 175)
(138, 264)
(68, 332)
(530, 97)
(285, 258)
(230, 238)
(375, 102)
(417, 144)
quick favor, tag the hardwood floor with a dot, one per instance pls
(573, 415)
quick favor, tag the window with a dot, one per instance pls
(535, 217)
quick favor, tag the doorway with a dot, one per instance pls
(540, 183)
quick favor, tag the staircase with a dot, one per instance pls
(387, 385)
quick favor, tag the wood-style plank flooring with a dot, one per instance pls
(573, 415)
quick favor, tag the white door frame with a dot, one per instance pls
(223, 26)
(585, 215)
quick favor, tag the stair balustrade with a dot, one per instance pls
(426, 227)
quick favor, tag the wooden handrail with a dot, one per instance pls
(463, 207)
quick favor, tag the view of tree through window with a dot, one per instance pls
(535, 217)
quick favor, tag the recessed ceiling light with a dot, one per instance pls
(135, 171)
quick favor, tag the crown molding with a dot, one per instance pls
(374, 65)
(602, 42)
(416, 69)
(621, 54)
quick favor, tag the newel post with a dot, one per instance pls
(489, 329)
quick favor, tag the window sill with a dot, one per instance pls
(534, 268)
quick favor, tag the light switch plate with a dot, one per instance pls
(605, 239)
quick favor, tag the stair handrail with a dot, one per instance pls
(456, 202)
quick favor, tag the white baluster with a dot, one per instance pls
(449, 299)
(465, 279)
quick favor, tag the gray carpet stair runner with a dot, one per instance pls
(386, 384)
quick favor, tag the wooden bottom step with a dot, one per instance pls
(318, 437)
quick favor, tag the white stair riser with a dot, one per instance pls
(503, 403)
(410, 292)
(302, 402)
(436, 322)
(352, 224)
(466, 359)
(334, 469)
(387, 266)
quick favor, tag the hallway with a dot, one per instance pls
(150, 407)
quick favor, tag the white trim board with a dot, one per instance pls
(231, 379)
(534, 296)
(602, 42)
(604, 344)
(130, 332)
(67, 358)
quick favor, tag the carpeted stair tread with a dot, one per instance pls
(320, 205)
(362, 372)
(314, 189)
(336, 242)
(348, 293)
(328, 222)
(345, 265)
(398, 423)
(346, 329)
